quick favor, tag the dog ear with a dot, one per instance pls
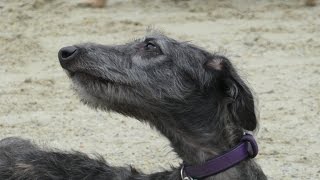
(239, 99)
(242, 104)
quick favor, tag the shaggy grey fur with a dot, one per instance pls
(193, 97)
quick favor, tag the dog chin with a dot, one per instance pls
(84, 96)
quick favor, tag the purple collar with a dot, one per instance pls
(247, 148)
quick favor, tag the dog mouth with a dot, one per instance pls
(87, 77)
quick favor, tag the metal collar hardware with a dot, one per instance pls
(184, 176)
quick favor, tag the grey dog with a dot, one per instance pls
(195, 98)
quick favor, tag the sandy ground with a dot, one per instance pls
(276, 45)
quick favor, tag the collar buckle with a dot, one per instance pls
(252, 146)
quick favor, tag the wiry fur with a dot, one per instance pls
(193, 97)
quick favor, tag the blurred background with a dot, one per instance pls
(275, 45)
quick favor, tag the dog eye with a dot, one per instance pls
(150, 46)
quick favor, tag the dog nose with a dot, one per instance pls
(66, 54)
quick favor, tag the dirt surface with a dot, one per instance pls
(275, 44)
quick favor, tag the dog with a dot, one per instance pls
(195, 98)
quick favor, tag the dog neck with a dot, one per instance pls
(195, 150)
(197, 137)
(204, 138)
